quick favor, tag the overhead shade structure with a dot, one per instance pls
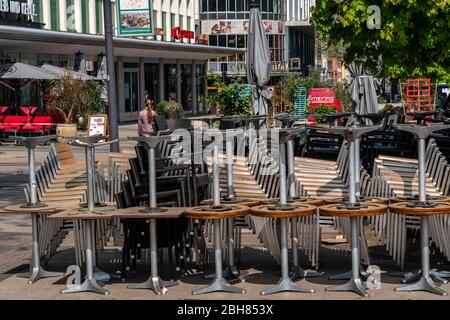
(59, 72)
(363, 90)
(258, 62)
(23, 71)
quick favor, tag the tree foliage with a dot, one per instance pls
(412, 41)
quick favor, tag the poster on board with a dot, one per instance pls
(98, 124)
(135, 17)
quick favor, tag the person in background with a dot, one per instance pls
(147, 118)
(173, 110)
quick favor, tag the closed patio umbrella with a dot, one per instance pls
(363, 90)
(258, 62)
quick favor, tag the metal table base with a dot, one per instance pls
(219, 284)
(425, 282)
(154, 282)
(355, 284)
(285, 284)
(89, 284)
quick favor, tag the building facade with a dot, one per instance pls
(300, 34)
(226, 24)
(145, 67)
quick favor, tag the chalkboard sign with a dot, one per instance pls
(98, 124)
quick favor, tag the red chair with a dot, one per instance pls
(14, 123)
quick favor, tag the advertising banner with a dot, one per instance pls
(239, 27)
(135, 17)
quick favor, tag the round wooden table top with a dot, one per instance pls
(341, 200)
(16, 208)
(266, 211)
(307, 200)
(404, 209)
(239, 202)
(203, 213)
(413, 198)
(372, 209)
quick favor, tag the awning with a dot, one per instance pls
(56, 42)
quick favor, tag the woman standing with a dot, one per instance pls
(147, 118)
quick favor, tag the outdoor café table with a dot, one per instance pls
(363, 210)
(332, 118)
(297, 201)
(36, 271)
(415, 198)
(154, 282)
(248, 202)
(209, 213)
(269, 211)
(86, 217)
(424, 276)
(377, 200)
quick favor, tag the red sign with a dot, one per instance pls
(323, 96)
(177, 34)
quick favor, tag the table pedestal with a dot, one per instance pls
(154, 282)
(285, 284)
(356, 284)
(219, 284)
(36, 270)
(89, 284)
(425, 282)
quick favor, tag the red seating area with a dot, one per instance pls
(26, 120)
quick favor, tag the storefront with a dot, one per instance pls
(144, 68)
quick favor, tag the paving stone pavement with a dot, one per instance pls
(260, 269)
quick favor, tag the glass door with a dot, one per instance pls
(131, 90)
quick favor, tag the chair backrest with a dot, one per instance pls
(230, 124)
(174, 124)
(64, 153)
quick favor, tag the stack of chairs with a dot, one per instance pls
(394, 176)
(175, 183)
(329, 179)
(61, 179)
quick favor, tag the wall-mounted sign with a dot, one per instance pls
(202, 39)
(135, 17)
(239, 26)
(178, 33)
(18, 7)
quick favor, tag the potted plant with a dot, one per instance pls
(72, 98)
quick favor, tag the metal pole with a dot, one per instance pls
(229, 149)
(230, 242)
(153, 250)
(35, 251)
(112, 88)
(352, 195)
(425, 247)
(422, 185)
(284, 250)
(90, 180)
(218, 249)
(89, 253)
(194, 87)
(357, 168)
(355, 248)
(282, 156)
(291, 170)
(152, 181)
(32, 173)
(216, 173)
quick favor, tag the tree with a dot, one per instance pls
(412, 40)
